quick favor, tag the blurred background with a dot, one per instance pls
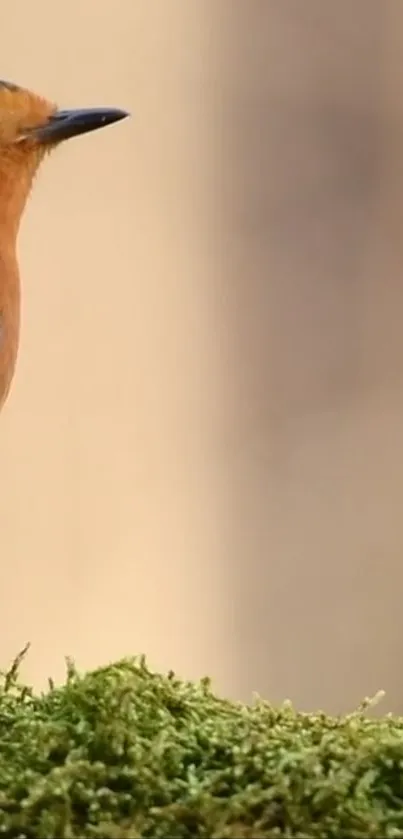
(202, 454)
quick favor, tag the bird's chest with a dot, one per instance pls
(9, 332)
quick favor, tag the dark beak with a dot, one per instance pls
(65, 124)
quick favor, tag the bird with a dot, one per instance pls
(30, 127)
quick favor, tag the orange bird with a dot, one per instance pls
(30, 126)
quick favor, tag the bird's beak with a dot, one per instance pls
(65, 124)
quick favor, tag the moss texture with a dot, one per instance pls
(124, 752)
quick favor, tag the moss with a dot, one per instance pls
(124, 752)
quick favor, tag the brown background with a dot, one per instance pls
(202, 456)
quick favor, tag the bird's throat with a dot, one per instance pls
(17, 174)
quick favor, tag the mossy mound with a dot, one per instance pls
(122, 752)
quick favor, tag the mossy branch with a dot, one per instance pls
(122, 752)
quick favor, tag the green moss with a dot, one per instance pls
(124, 752)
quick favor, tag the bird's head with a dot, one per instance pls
(31, 126)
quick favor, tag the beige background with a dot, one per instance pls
(202, 455)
